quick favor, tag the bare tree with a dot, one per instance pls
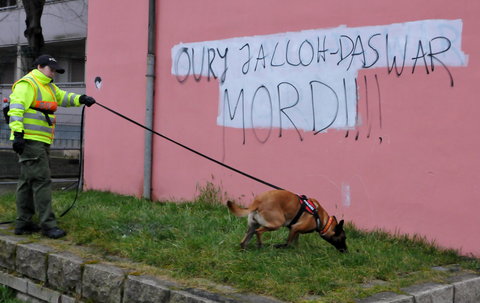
(33, 32)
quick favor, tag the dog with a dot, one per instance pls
(277, 208)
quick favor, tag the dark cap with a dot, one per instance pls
(50, 61)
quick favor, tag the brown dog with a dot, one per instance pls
(276, 208)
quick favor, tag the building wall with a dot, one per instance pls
(398, 152)
(116, 52)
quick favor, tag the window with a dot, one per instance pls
(7, 73)
(8, 3)
(8, 57)
(71, 56)
(77, 70)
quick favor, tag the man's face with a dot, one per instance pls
(47, 71)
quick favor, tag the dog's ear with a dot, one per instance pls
(339, 227)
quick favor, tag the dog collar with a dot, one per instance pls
(327, 226)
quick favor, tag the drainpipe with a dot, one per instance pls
(19, 68)
(147, 168)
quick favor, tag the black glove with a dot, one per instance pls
(18, 142)
(87, 100)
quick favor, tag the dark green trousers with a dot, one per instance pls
(34, 190)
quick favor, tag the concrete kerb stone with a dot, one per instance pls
(19, 284)
(29, 291)
(67, 299)
(27, 298)
(252, 298)
(31, 260)
(145, 289)
(8, 246)
(64, 272)
(387, 297)
(180, 296)
(467, 288)
(462, 288)
(431, 292)
(103, 283)
(213, 297)
(42, 293)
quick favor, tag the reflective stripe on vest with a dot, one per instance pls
(68, 100)
(17, 106)
(15, 118)
(45, 129)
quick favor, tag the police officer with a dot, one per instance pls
(33, 103)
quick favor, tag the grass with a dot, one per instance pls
(199, 242)
(7, 295)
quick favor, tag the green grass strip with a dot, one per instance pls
(199, 241)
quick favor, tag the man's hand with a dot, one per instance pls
(18, 142)
(87, 100)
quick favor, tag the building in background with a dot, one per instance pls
(64, 25)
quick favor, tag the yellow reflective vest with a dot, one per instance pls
(33, 101)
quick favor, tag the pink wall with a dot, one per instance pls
(421, 178)
(116, 49)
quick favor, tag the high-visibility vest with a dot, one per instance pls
(36, 117)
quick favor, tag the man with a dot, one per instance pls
(33, 102)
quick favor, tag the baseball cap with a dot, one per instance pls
(50, 61)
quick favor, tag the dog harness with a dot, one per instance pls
(309, 206)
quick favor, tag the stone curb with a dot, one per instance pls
(463, 288)
(41, 274)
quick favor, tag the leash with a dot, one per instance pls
(80, 166)
(80, 173)
(188, 148)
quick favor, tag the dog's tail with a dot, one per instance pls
(237, 210)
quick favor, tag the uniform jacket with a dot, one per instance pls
(33, 103)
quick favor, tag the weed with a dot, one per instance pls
(211, 193)
(7, 295)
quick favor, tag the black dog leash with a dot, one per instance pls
(190, 149)
(160, 135)
(80, 167)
